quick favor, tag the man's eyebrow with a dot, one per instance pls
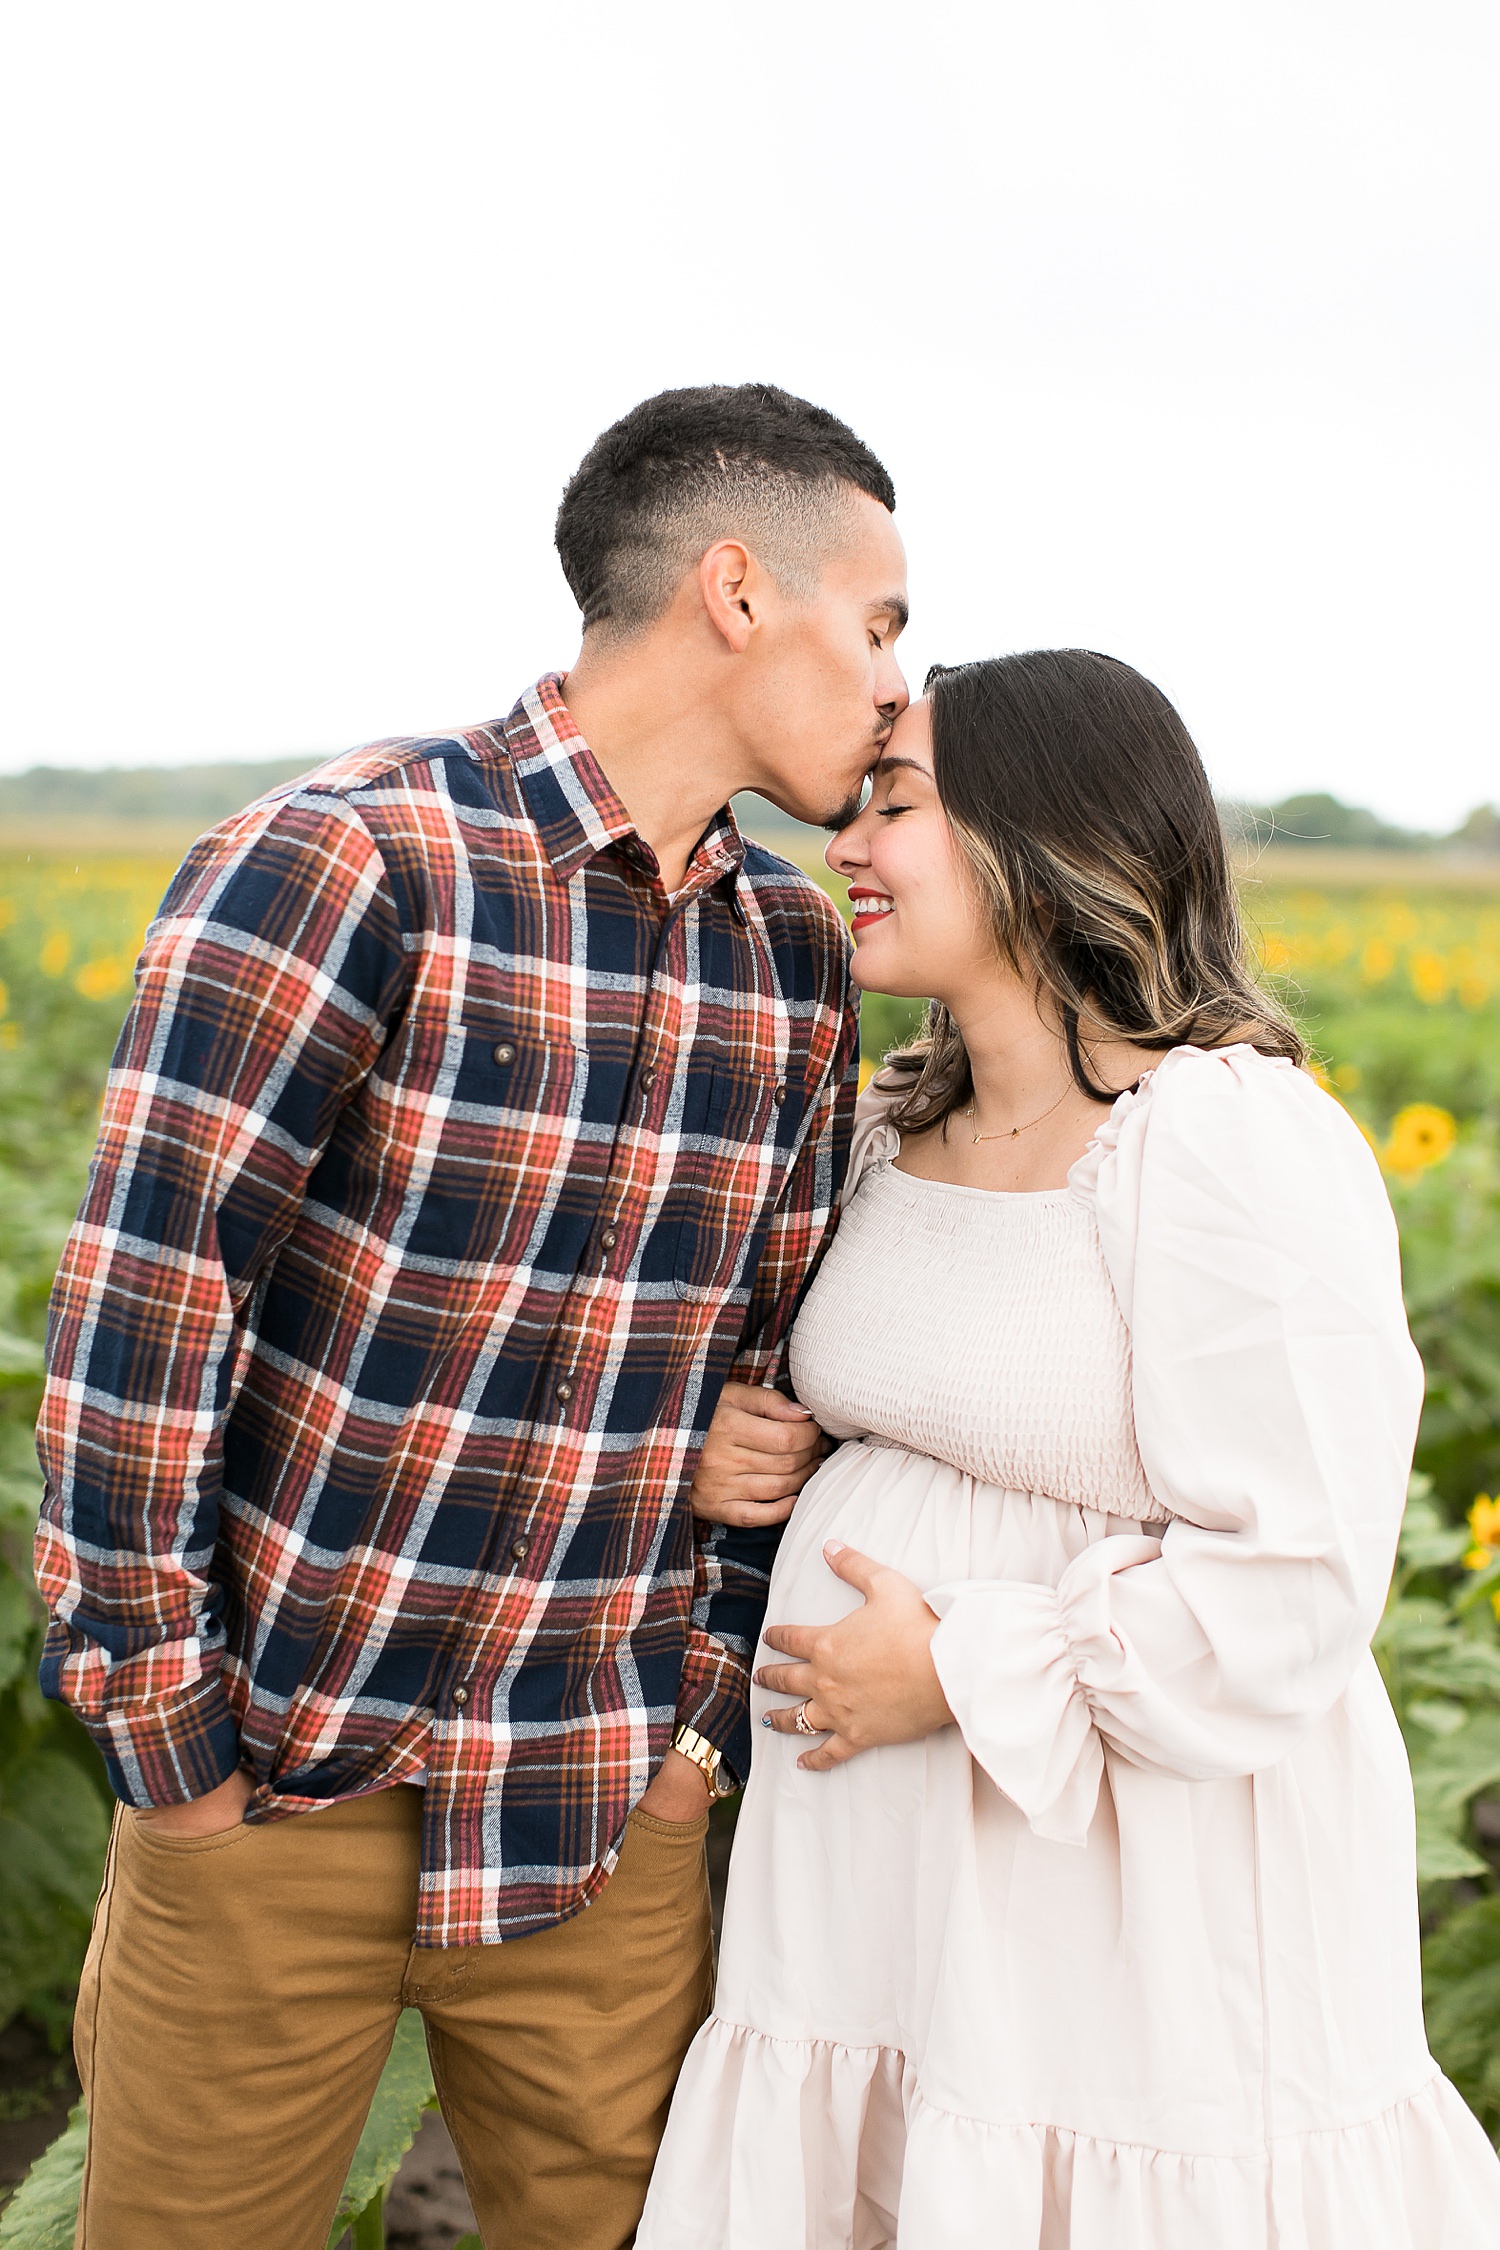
(892, 605)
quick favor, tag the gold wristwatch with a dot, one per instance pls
(707, 1759)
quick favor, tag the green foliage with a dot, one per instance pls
(54, 1818)
(1461, 1988)
(1438, 1647)
(43, 2213)
(53, 1834)
(55, 1044)
(1398, 990)
(885, 1023)
(1395, 1050)
(405, 2090)
(1450, 1254)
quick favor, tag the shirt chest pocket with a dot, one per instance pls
(470, 1130)
(738, 1132)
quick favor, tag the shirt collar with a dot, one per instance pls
(576, 811)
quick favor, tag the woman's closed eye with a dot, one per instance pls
(891, 812)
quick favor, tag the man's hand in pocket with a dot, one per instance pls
(223, 1808)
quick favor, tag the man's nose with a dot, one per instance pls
(892, 692)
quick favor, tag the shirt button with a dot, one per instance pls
(460, 1696)
(608, 1239)
(564, 1392)
(505, 1052)
(520, 1548)
(648, 1078)
(779, 1096)
(264, 1792)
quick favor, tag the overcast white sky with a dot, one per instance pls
(1175, 321)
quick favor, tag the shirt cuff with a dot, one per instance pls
(167, 1753)
(714, 1699)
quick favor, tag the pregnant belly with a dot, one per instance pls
(928, 1520)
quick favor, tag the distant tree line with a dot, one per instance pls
(142, 793)
(1317, 819)
(197, 796)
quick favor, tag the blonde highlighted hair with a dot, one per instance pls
(1082, 809)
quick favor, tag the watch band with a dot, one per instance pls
(706, 1756)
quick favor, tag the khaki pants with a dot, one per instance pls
(240, 1997)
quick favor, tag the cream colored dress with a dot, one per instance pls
(1127, 1958)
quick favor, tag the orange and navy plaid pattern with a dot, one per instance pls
(446, 1170)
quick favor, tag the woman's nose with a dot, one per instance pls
(846, 854)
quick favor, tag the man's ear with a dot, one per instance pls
(732, 586)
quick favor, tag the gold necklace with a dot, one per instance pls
(1016, 1130)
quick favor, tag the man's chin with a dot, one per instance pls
(842, 814)
(831, 814)
(801, 809)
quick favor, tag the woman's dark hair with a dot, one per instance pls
(1083, 811)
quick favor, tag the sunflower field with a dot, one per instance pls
(1398, 989)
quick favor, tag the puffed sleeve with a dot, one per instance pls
(1252, 1248)
(876, 1140)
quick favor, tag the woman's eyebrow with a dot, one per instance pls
(912, 765)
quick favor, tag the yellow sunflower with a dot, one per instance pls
(1421, 1134)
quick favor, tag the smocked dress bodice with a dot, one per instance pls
(980, 1329)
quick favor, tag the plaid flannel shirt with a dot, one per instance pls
(446, 1170)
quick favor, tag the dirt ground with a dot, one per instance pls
(427, 2208)
(37, 2089)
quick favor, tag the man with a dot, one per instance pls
(481, 1111)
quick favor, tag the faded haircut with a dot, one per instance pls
(688, 468)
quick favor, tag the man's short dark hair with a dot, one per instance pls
(687, 468)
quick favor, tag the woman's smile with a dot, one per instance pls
(869, 907)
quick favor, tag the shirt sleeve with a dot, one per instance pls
(804, 1216)
(733, 1566)
(1277, 1391)
(262, 999)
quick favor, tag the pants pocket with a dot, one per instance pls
(146, 1836)
(669, 1831)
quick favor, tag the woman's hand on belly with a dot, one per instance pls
(867, 1680)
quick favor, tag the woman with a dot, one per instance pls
(1088, 1917)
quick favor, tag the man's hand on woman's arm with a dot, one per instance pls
(760, 1451)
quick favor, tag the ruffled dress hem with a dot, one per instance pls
(771, 2142)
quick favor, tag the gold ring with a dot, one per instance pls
(802, 1723)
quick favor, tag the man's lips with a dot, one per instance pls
(869, 907)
